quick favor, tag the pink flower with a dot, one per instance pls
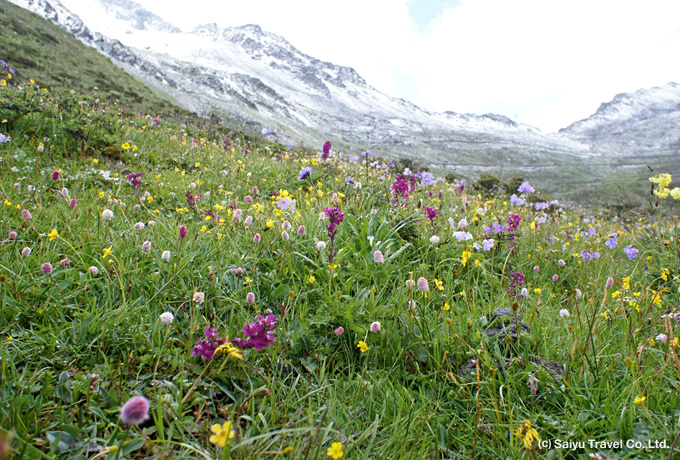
(250, 297)
(199, 297)
(378, 257)
(257, 238)
(56, 175)
(663, 338)
(46, 268)
(536, 268)
(26, 251)
(94, 270)
(146, 246)
(238, 271)
(254, 190)
(237, 215)
(26, 214)
(249, 199)
(339, 331)
(73, 203)
(564, 313)
(375, 326)
(249, 220)
(65, 262)
(183, 232)
(135, 410)
(555, 277)
(301, 230)
(610, 282)
(12, 235)
(423, 286)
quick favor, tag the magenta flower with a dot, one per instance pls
(26, 214)
(183, 231)
(301, 230)
(339, 331)
(326, 150)
(65, 262)
(238, 271)
(46, 268)
(206, 347)
(56, 175)
(135, 410)
(12, 235)
(259, 333)
(257, 238)
(555, 277)
(430, 213)
(73, 203)
(514, 283)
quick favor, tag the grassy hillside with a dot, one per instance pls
(53, 58)
(401, 317)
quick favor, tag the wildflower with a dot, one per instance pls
(320, 246)
(53, 235)
(107, 251)
(312, 279)
(640, 399)
(516, 281)
(526, 188)
(423, 286)
(167, 317)
(662, 180)
(248, 221)
(12, 235)
(339, 331)
(259, 333)
(611, 242)
(238, 271)
(206, 347)
(46, 268)
(166, 255)
(228, 349)
(663, 338)
(375, 326)
(462, 236)
(434, 239)
(675, 193)
(135, 410)
(301, 230)
(431, 213)
(610, 282)
(488, 244)
(524, 293)
(65, 262)
(561, 263)
(183, 231)
(257, 238)
(305, 173)
(555, 277)
(335, 451)
(107, 214)
(139, 225)
(378, 257)
(577, 293)
(221, 433)
(532, 383)
(56, 175)
(199, 297)
(26, 251)
(326, 150)
(285, 236)
(93, 270)
(363, 347)
(250, 297)
(146, 246)
(26, 214)
(237, 215)
(564, 313)
(527, 434)
(631, 252)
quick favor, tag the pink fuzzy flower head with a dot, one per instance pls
(610, 282)
(254, 190)
(257, 238)
(56, 175)
(375, 326)
(238, 271)
(250, 297)
(26, 214)
(378, 257)
(135, 410)
(183, 231)
(423, 286)
(46, 268)
(339, 331)
(73, 203)
(301, 230)
(12, 235)
(248, 198)
(555, 277)
(237, 215)
(65, 262)
(146, 246)
(26, 251)
(536, 268)
(249, 220)
(663, 338)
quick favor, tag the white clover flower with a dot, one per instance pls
(94, 270)
(139, 225)
(107, 214)
(321, 245)
(167, 317)
(434, 239)
(165, 256)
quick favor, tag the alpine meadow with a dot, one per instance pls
(175, 287)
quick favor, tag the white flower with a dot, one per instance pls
(94, 270)
(285, 236)
(26, 252)
(564, 313)
(199, 297)
(146, 246)
(107, 214)
(151, 223)
(434, 239)
(462, 236)
(321, 245)
(165, 256)
(167, 317)
(139, 225)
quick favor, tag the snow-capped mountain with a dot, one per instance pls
(260, 80)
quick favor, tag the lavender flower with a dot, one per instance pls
(423, 285)
(305, 173)
(206, 347)
(631, 252)
(135, 410)
(526, 188)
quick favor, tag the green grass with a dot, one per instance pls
(75, 345)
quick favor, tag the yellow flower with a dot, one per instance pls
(662, 192)
(446, 307)
(538, 291)
(269, 225)
(335, 450)
(125, 146)
(222, 433)
(362, 346)
(107, 251)
(629, 361)
(675, 193)
(464, 257)
(333, 266)
(228, 349)
(663, 180)
(438, 284)
(527, 434)
(53, 235)
(149, 199)
(312, 279)
(640, 399)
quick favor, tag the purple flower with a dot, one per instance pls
(56, 175)
(65, 262)
(431, 213)
(301, 230)
(73, 203)
(183, 232)
(339, 331)
(46, 268)
(423, 285)
(516, 201)
(375, 326)
(134, 179)
(516, 280)
(326, 150)
(286, 204)
(259, 333)
(513, 222)
(206, 347)
(135, 410)
(526, 188)
(631, 252)
(257, 238)
(611, 242)
(305, 173)
(488, 244)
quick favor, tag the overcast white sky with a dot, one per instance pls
(547, 63)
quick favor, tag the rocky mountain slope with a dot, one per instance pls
(260, 81)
